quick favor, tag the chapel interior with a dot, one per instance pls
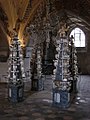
(45, 59)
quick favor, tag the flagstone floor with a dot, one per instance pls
(37, 105)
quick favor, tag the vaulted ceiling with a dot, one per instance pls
(18, 14)
(15, 14)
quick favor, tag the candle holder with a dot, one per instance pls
(37, 80)
(16, 72)
(61, 73)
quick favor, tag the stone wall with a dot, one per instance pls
(84, 56)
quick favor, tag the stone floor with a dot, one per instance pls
(38, 105)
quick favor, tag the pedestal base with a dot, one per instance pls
(15, 92)
(37, 85)
(61, 98)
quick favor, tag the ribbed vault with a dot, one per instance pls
(19, 14)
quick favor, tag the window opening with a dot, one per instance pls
(79, 37)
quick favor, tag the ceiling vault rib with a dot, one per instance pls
(29, 17)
